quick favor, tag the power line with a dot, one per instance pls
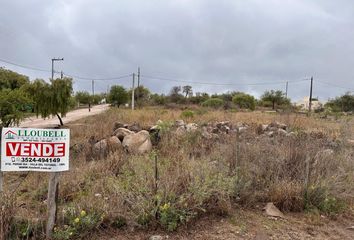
(221, 84)
(98, 79)
(24, 66)
(66, 74)
(335, 85)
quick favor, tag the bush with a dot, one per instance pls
(187, 114)
(213, 103)
(243, 100)
(77, 224)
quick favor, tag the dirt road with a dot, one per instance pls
(70, 116)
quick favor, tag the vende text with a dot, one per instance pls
(21, 149)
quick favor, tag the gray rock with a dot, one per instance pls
(272, 211)
(269, 134)
(121, 133)
(225, 129)
(117, 125)
(179, 123)
(156, 237)
(282, 132)
(190, 127)
(242, 129)
(291, 134)
(137, 142)
(100, 149)
(135, 127)
(181, 130)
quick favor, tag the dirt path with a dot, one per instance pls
(250, 225)
(70, 116)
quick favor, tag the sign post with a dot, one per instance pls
(37, 150)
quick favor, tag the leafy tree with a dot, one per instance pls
(13, 104)
(118, 95)
(141, 94)
(187, 90)
(175, 94)
(83, 97)
(97, 98)
(51, 99)
(243, 100)
(11, 80)
(199, 98)
(344, 103)
(213, 102)
(275, 97)
(157, 99)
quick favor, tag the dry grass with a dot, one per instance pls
(7, 211)
(196, 176)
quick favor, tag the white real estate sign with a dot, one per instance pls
(31, 149)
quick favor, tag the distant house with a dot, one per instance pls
(103, 101)
(305, 102)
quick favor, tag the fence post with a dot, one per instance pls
(52, 202)
(156, 185)
(1, 174)
(307, 175)
(234, 161)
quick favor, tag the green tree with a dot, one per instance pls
(141, 95)
(11, 80)
(243, 100)
(175, 94)
(276, 98)
(51, 99)
(157, 99)
(199, 98)
(187, 90)
(118, 95)
(13, 104)
(83, 97)
(344, 103)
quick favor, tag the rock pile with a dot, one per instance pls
(274, 128)
(136, 139)
(130, 138)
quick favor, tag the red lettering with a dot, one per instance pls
(21, 149)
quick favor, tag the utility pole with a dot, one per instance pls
(310, 99)
(53, 186)
(133, 91)
(61, 75)
(53, 60)
(138, 76)
(137, 90)
(286, 89)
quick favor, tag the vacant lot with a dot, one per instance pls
(213, 178)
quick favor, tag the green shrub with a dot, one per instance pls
(77, 224)
(318, 197)
(187, 114)
(170, 217)
(213, 103)
(243, 100)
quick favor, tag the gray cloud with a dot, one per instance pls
(222, 41)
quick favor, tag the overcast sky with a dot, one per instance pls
(211, 41)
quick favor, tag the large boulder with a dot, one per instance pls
(121, 133)
(117, 125)
(179, 123)
(137, 142)
(103, 147)
(135, 127)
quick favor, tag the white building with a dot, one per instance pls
(305, 102)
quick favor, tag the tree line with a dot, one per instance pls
(19, 96)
